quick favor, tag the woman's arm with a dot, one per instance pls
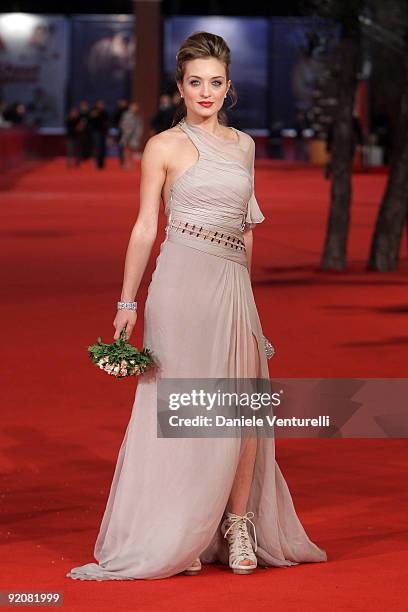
(254, 214)
(143, 235)
(248, 241)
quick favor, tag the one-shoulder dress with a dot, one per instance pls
(168, 495)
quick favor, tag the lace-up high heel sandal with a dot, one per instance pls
(234, 529)
(194, 568)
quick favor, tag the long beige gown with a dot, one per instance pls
(168, 495)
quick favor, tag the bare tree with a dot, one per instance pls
(345, 70)
(386, 241)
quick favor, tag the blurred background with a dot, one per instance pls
(323, 90)
(55, 67)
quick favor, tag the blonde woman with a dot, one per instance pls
(178, 503)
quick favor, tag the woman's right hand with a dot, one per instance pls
(124, 319)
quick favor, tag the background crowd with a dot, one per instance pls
(88, 127)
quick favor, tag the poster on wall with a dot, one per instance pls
(33, 60)
(248, 61)
(102, 58)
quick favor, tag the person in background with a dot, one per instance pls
(131, 127)
(176, 99)
(72, 139)
(381, 127)
(42, 108)
(162, 120)
(301, 124)
(3, 108)
(15, 113)
(84, 131)
(121, 108)
(99, 122)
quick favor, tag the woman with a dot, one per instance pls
(131, 128)
(177, 503)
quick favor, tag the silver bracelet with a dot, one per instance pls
(127, 305)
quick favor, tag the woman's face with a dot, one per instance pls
(204, 81)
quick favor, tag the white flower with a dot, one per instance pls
(135, 370)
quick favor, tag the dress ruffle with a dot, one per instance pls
(254, 214)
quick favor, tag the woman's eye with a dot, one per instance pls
(217, 83)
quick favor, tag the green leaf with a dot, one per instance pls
(121, 350)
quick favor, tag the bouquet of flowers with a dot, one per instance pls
(120, 358)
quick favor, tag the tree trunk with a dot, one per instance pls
(386, 241)
(334, 254)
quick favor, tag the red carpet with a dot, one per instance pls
(64, 239)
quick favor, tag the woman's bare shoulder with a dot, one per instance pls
(166, 141)
(167, 137)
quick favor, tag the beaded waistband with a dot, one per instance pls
(221, 238)
(218, 241)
